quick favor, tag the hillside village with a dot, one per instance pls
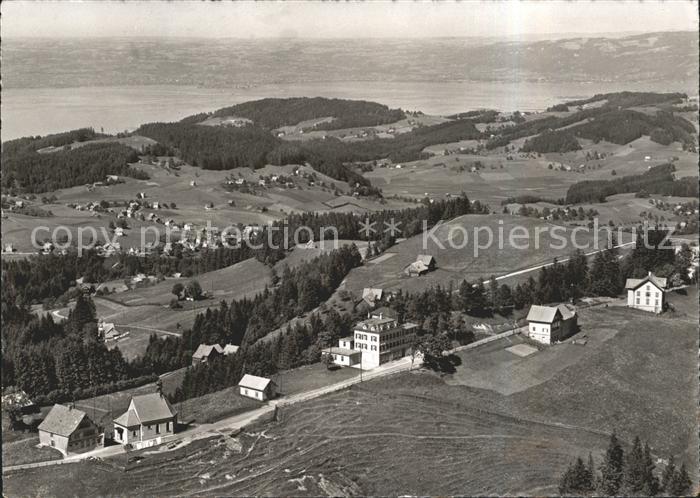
(206, 339)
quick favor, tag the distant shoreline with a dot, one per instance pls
(39, 111)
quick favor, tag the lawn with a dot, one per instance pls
(26, 451)
(456, 263)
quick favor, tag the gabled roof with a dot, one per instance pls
(128, 419)
(152, 407)
(544, 314)
(426, 259)
(634, 283)
(567, 311)
(204, 350)
(62, 420)
(254, 382)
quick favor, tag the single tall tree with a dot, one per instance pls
(611, 468)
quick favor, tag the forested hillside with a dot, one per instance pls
(273, 113)
(621, 127)
(611, 121)
(658, 180)
(34, 172)
(552, 141)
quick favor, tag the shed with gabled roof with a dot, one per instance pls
(260, 388)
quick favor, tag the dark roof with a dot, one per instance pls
(62, 420)
(384, 312)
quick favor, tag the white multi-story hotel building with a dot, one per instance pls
(375, 341)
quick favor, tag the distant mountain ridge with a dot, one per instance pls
(650, 57)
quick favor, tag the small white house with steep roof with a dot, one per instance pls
(646, 294)
(148, 419)
(255, 387)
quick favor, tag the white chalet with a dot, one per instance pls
(646, 293)
(550, 324)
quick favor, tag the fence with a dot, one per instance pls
(489, 339)
(34, 465)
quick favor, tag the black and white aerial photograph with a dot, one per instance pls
(349, 248)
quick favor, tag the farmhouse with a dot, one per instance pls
(69, 430)
(423, 264)
(206, 353)
(550, 324)
(20, 401)
(646, 293)
(371, 296)
(148, 419)
(108, 330)
(256, 387)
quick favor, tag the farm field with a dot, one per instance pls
(146, 310)
(246, 278)
(622, 209)
(500, 178)
(455, 264)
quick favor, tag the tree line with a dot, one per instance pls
(31, 171)
(657, 180)
(56, 362)
(276, 112)
(631, 473)
(243, 322)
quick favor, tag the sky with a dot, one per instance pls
(341, 19)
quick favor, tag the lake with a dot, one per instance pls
(39, 111)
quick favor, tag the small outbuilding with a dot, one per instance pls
(255, 387)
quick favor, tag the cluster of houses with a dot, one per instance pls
(379, 339)
(209, 352)
(148, 419)
(551, 324)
